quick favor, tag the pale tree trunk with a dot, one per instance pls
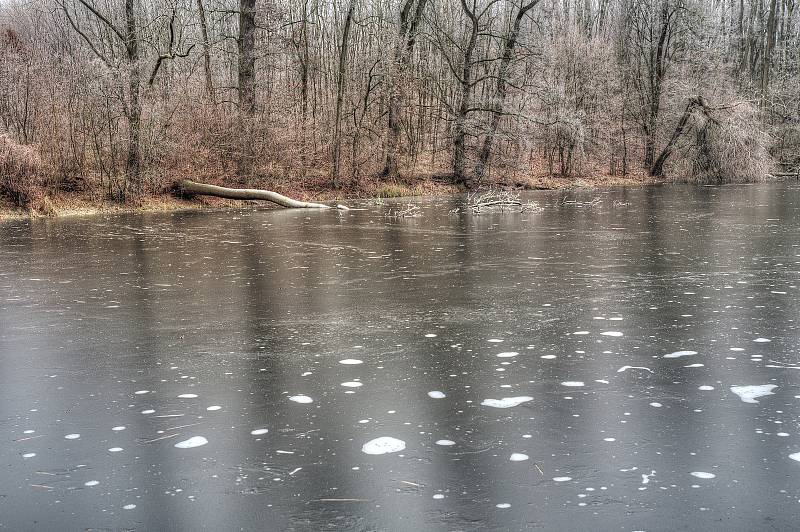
(192, 188)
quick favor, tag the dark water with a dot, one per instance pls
(245, 310)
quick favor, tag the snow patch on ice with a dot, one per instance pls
(518, 457)
(626, 368)
(748, 394)
(506, 402)
(572, 384)
(678, 354)
(383, 445)
(507, 354)
(351, 361)
(702, 474)
(258, 432)
(304, 399)
(436, 394)
(194, 441)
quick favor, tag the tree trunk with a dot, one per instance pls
(206, 51)
(247, 56)
(459, 127)
(341, 74)
(500, 91)
(768, 48)
(657, 170)
(403, 49)
(192, 188)
(133, 162)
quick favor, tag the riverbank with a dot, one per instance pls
(82, 204)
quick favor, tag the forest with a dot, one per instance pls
(121, 100)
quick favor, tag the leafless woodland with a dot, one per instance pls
(124, 98)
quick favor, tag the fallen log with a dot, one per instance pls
(192, 188)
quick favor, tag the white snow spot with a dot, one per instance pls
(507, 354)
(646, 478)
(748, 394)
(258, 432)
(436, 394)
(29, 455)
(762, 340)
(194, 441)
(506, 402)
(694, 366)
(572, 384)
(148, 411)
(562, 479)
(795, 456)
(518, 457)
(548, 357)
(705, 388)
(304, 399)
(116, 450)
(656, 405)
(351, 361)
(430, 335)
(626, 368)
(445, 443)
(119, 428)
(702, 474)
(438, 496)
(140, 392)
(352, 384)
(129, 507)
(581, 333)
(611, 333)
(214, 408)
(72, 436)
(495, 340)
(383, 445)
(678, 354)
(609, 439)
(187, 396)
(91, 483)
(502, 505)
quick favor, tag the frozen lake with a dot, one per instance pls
(627, 365)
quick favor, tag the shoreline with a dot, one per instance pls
(77, 205)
